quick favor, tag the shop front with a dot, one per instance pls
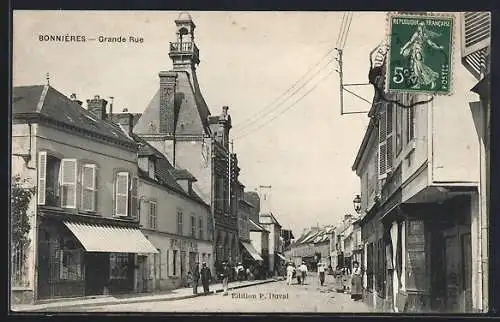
(78, 258)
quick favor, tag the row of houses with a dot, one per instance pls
(130, 202)
(424, 187)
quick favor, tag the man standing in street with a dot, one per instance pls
(303, 272)
(206, 277)
(321, 273)
(196, 278)
(225, 277)
(289, 273)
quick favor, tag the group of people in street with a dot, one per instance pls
(349, 281)
(204, 274)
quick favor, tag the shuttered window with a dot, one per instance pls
(69, 175)
(390, 136)
(193, 225)
(200, 228)
(382, 145)
(410, 118)
(476, 39)
(135, 206)
(152, 218)
(89, 187)
(42, 176)
(121, 193)
(399, 124)
(179, 222)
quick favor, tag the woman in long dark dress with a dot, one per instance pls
(356, 282)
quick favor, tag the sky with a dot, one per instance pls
(248, 61)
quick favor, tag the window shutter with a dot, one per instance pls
(476, 39)
(390, 135)
(42, 176)
(151, 260)
(170, 259)
(89, 187)
(163, 263)
(121, 194)
(134, 202)
(68, 181)
(382, 145)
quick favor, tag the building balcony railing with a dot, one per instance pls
(188, 48)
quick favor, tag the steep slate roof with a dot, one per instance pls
(255, 227)
(182, 174)
(164, 171)
(191, 110)
(46, 101)
(315, 235)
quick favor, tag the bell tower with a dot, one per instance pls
(183, 52)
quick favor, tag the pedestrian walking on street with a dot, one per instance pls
(289, 273)
(321, 273)
(356, 283)
(339, 284)
(303, 272)
(206, 277)
(196, 278)
(225, 277)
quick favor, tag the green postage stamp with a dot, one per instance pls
(420, 54)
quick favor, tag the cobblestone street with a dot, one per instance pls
(271, 297)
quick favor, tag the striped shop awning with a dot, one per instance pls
(106, 238)
(252, 251)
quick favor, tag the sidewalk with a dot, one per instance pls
(177, 294)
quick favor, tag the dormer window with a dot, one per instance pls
(148, 165)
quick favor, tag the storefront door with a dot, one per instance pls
(96, 273)
(452, 273)
(142, 274)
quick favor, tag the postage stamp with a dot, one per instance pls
(420, 54)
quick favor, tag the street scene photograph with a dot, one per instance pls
(250, 162)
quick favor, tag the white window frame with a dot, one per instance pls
(135, 213)
(64, 184)
(152, 215)
(126, 194)
(382, 142)
(193, 225)
(180, 222)
(92, 188)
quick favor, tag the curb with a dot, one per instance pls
(139, 300)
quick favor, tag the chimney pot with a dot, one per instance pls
(125, 110)
(97, 106)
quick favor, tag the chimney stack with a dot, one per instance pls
(126, 120)
(74, 99)
(97, 106)
(167, 109)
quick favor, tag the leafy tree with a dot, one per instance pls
(19, 201)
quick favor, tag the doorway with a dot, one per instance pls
(96, 273)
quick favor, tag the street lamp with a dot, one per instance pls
(357, 204)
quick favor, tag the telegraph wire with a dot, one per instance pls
(255, 117)
(267, 111)
(288, 108)
(346, 34)
(341, 29)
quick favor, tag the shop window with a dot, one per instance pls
(118, 266)
(71, 265)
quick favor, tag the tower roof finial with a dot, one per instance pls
(47, 77)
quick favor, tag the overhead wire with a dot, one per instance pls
(341, 41)
(248, 121)
(289, 107)
(265, 109)
(249, 124)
